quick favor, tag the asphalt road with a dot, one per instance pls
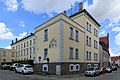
(11, 75)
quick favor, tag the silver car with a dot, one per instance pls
(93, 71)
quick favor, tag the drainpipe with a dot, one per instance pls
(85, 42)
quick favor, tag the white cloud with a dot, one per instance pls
(102, 9)
(114, 52)
(116, 29)
(11, 5)
(47, 6)
(102, 33)
(5, 33)
(22, 24)
(117, 39)
(8, 47)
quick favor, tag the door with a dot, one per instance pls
(58, 69)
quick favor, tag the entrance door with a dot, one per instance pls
(58, 69)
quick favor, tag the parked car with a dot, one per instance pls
(12, 67)
(92, 72)
(5, 66)
(114, 68)
(102, 70)
(24, 68)
(108, 69)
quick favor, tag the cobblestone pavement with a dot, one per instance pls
(11, 75)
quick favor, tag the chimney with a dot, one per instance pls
(80, 6)
(12, 42)
(64, 12)
(16, 39)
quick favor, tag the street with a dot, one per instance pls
(11, 75)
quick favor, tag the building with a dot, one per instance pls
(67, 44)
(25, 48)
(116, 60)
(104, 55)
(7, 55)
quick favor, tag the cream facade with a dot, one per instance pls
(66, 45)
(25, 48)
(7, 55)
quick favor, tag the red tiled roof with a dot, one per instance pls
(115, 58)
(105, 40)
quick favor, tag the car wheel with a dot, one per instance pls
(22, 72)
(16, 71)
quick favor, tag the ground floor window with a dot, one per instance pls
(45, 68)
(74, 67)
(88, 66)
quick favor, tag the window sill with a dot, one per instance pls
(71, 38)
(45, 40)
(76, 40)
(71, 58)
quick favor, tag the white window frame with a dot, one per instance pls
(45, 34)
(78, 67)
(71, 53)
(71, 33)
(77, 35)
(88, 66)
(70, 67)
(45, 65)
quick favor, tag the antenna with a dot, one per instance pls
(71, 6)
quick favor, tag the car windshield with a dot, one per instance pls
(91, 69)
(28, 66)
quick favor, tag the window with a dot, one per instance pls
(30, 42)
(95, 56)
(30, 50)
(33, 41)
(95, 44)
(27, 43)
(30, 57)
(88, 55)
(88, 66)
(12, 54)
(21, 46)
(96, 65)
(16, 47)
(45, 68)
(33, 50)
(45, 53)
(71, 33)
(71, 67)
(4, 53)
(4, 60)
(95, 32)
(88, 27)
(71, 53)
(24, 45)
(24, 52)
(21, 53)
(76, 53)
(77, 34)
(27, 51)
(46, 34)
(77, 67)
(13, 48)
(88, 41)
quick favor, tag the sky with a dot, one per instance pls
(18, 18)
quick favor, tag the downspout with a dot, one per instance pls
(85, 42)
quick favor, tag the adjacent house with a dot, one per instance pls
(104, 55)
(25, 48)
(7, 55)
(67, 44)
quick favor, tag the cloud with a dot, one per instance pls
(117, 39)
(102, 33)
(11, 5)
(22, 24)
(8, 47)
(5, 33)
(114, 52)
(116, 29)
(102, 9)
(47, 6)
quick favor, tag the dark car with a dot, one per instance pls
(102, 70)
(5, 66)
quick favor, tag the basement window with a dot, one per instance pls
(45, 68)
